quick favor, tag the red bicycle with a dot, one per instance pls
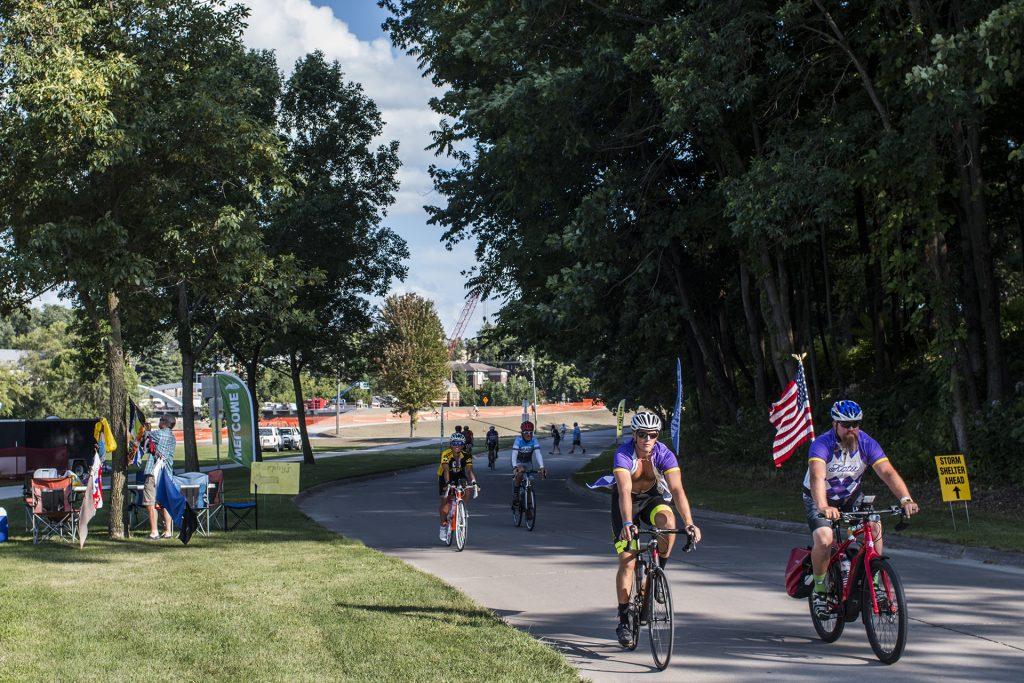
(864, 584)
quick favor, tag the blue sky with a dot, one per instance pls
(349, 31)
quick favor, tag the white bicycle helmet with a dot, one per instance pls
(646, 421)
(457, 439)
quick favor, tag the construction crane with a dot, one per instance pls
(460, 327)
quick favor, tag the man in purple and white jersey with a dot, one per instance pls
(645, 482)
(836, 464)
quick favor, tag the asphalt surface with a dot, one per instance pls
(733, 617)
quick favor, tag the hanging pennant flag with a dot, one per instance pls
(677, 414)
(791, 417)
(618, 420)
(137, 428)
(236, 406)
(93, 499)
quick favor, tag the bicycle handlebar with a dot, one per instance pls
(655, 532)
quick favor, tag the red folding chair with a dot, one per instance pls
(49, 509)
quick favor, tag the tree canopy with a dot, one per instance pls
(735, 182)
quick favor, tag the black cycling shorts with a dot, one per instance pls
(645, 507)
(456, 477)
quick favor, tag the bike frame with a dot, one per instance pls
(863, 558)
(455, 494)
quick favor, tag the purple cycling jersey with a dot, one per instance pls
(843, 471)
(662, 457)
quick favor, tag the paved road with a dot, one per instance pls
(733, 618)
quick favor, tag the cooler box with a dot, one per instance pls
(3, 525)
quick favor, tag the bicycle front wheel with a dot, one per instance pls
(830, 628)
(885, 612)
(660, 624)
(461, 527)
(531, 509)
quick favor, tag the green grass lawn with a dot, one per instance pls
(761, 495)
(289, 602)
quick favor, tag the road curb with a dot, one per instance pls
(947, 550)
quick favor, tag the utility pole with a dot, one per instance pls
(533, 380)
(337, 411)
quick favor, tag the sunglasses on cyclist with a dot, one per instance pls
(855, 424)
(643, 434)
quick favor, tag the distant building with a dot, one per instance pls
(451, 396)
(12, 356)
(478, 373)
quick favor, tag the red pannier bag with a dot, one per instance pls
(798, 573)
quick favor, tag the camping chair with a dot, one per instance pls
(240, 513)
(215, 504)
(194, 487)
(50, 510)
(138, 515)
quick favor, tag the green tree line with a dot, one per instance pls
(737, 182)
(163, 179)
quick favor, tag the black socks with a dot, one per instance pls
(662, 561)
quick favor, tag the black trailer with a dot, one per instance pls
(75, 435)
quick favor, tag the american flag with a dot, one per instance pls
(792, 419)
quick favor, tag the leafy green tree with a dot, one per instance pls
(331, 221)
(410, 354)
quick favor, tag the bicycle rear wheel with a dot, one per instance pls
(531, 509)
(831, 628)
(887, 629)
(461, 527)
(660, 624)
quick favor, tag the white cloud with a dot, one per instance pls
(293, 28)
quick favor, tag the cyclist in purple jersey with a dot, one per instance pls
(836, 464)
(647, 480)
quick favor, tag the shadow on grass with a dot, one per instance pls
(439, 613)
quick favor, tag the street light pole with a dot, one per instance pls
(337, 411)
(533, 380)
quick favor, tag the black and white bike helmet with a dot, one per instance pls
(646, 421)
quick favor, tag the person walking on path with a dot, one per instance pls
(577, 438)
(165, 443)
(556, 439)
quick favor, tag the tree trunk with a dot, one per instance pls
(972, 199)
(118, 411)
(412, 423)
(188, 369)
(873, 288)
(974, 356)
(712, 359)
(808, 337)
(300, 409)
(755, 338)
(252, 367)
(776, 288)
(945, 314)
(700, 380)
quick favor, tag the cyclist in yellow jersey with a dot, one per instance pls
(455, 466)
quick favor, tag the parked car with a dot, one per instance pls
(270, 439)
(291, 438)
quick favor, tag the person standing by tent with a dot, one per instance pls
(165, 443)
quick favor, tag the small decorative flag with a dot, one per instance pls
(791, 417)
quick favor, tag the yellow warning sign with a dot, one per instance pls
(275, 477)
(953, 478)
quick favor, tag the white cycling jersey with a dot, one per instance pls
(524, 452)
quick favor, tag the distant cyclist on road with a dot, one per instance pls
(836, 463)
(469, 440)
(645, 481)
(492, 444)
(455, 466)
(525, 449)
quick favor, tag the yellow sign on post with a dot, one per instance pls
(275, 477)
(953, 478)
